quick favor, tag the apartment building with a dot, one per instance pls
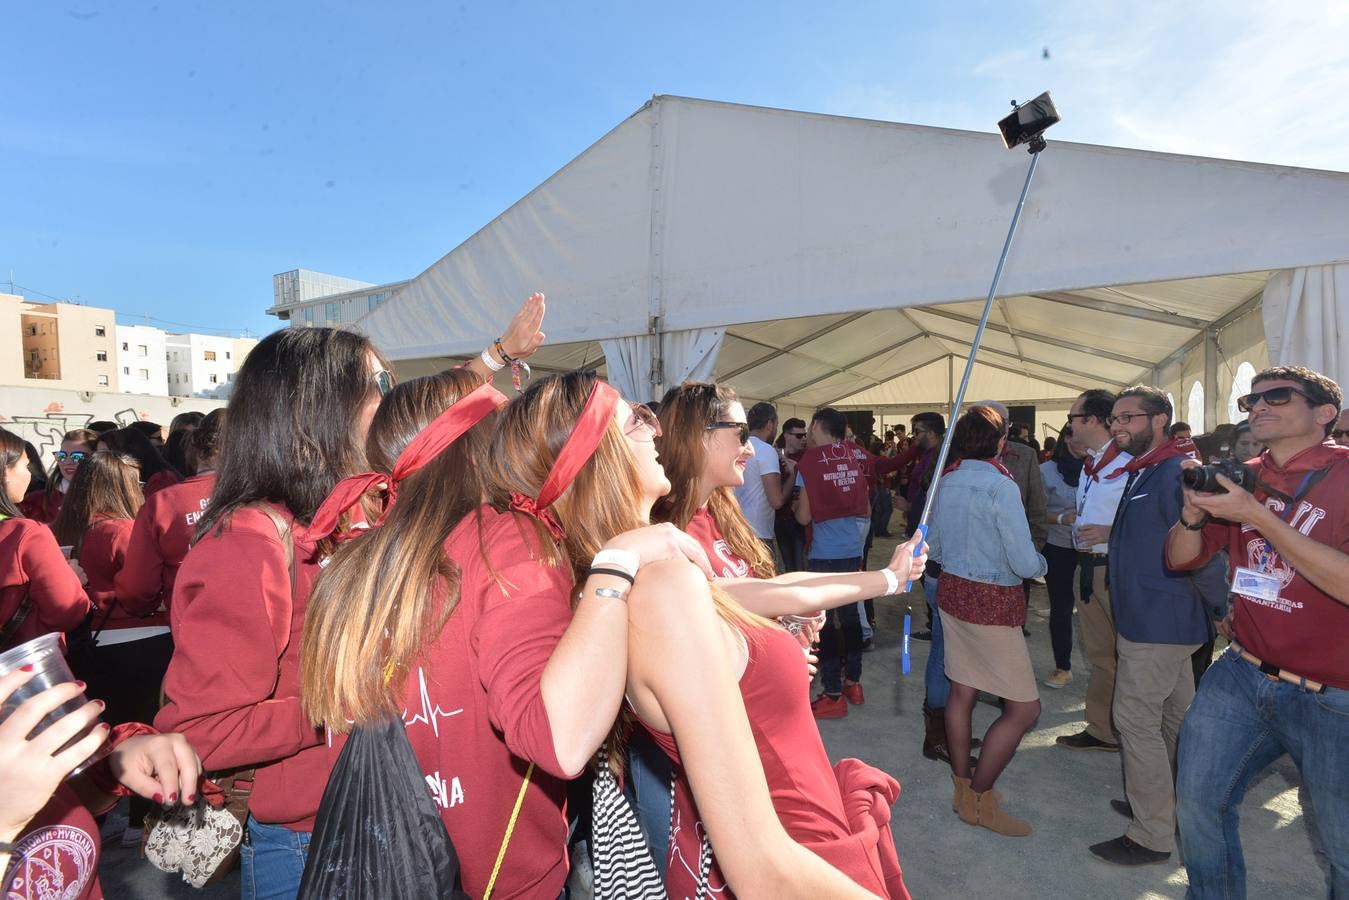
(142, 360)
(203, 365)
(58, 345)
(304, 298)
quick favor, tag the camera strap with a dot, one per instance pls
(1290, 502)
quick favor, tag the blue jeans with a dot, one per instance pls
(937, 685)
(844, 622)
(272, 859)
(1239, 724)
(649, 773)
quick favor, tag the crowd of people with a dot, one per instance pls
(541, 592)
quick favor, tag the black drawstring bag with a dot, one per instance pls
(378, 833)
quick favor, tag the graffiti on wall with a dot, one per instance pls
(45, 431)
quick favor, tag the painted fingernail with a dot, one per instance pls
(105, 726)
(81, 684)
(190, 799)
(101, 704)
(173, 798)
(158, 798)
(26, 668)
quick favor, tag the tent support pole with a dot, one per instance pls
(1210, 379)
(1035, 148)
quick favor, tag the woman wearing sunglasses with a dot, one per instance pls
(40, 591)
(76, 447)
(298, 419)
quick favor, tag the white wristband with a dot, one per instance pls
(491, 363)
(1059, 518)
(891, 581)
(618, 559)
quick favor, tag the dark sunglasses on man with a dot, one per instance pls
(743, 427)
(1278, 396)
(77, 456)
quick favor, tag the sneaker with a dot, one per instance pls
(868, 645)
(1124, 852)
(924, 635)
(827, 707)
(852, 692)
(1059, 679)
(1084, 741)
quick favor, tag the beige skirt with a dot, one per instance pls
(991, 658)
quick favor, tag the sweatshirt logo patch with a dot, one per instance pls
(55, 861)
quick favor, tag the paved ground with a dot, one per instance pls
(1065, 795)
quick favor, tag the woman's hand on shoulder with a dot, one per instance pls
(162, 767)
(655, 543)
(31, 769)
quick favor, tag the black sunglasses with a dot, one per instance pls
(1273, 397)
(744, 429)
(794, 434)
(383, 382)
(77, 456)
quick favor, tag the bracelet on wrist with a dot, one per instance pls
(891, 581)
(506, 358)
(1197, 526)
(491, 363)
(610, 593)
(616, 573)
(617, 559)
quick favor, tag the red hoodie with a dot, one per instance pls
(159, 541)
(103, 552)
(836, 481)
(41, 506)
(233, 686)
(31, 563)
(1306, 629)
(475, 715)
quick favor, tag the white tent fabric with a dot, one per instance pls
(683, 356)
(846, 260)
(1306, 314)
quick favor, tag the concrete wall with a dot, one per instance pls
(43, 414)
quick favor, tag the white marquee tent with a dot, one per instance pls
(813, 259)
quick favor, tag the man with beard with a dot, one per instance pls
(1160, 620)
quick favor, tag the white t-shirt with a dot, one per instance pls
(1098, 498)
(753, 501)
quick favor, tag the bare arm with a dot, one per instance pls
(682, 676)
(803, 507)
(805, 593)
(775, 491)
(520, 339)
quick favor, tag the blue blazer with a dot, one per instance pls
(1151, 604)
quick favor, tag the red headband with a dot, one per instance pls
(576, 452)
(429, 443)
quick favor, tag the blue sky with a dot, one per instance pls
(166, 158)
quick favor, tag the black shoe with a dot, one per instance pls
(921, 636)
(868, 645)
(1084, 741)
(1122, 807)
(1124, 852)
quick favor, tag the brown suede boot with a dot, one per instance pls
(991, 816)
(963, 803)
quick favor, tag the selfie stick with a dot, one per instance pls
(1036, 144)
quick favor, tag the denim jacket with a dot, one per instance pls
(979, 529)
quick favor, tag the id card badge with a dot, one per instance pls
(1256, 584)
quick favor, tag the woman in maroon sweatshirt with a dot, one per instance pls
(76, 446)
(39, 590)
(167, 522)
(298, 417)
(132, 643)
(156, 473)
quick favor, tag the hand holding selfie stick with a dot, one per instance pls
(1025, 125)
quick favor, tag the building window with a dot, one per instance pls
(100, 331)
(101, 355)
(142, 350)
(227, 354)
(103, 380)
(32, 331)
(1195, 411)
(1241, 386)
(175, 355)
(377, 300)
(125, 346)
(210, 355)
(143, 374)
(212, 378)
(331, 312)
(125, 370)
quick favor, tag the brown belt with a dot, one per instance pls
(1274, 673)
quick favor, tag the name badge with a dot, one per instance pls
(1253, 583)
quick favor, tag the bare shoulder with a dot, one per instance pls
(669, 591)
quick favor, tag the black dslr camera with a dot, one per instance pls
(1205, 478)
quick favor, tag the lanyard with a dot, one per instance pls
(1266, 557)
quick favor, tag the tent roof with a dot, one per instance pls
(847, 259)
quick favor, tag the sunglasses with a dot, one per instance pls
(743, 428)
(78, 456)
(383, 382)
(642, 417)
(794, 434)
(1273, 397)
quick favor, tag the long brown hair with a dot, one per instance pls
(11, 451)
(106, 486)
(385, 595)
(685, 413)
(86, 437)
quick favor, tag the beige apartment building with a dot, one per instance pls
(60, 345)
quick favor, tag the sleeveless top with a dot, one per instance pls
(805, 790)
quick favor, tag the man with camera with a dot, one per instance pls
(1160, 620)
(1283, 684)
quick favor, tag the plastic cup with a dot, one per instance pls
(50, 669)
(67, 549)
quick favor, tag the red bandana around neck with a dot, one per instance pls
(429, 443)
(576, 452)
(1093, 470)
(1174, 447)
